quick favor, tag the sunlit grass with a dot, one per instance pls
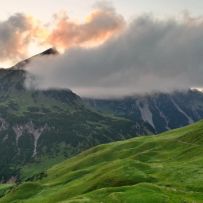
(163, 168)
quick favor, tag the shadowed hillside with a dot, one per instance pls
(162, 111)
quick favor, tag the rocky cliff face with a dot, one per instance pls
(162, 111)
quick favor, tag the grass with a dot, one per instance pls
(33, 169)
(4, 188)
(163, 168)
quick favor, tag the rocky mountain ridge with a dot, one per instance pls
(162, 111)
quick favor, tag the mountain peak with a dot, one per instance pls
(22, 64)
(50, 51)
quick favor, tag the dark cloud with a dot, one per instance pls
(149, 55)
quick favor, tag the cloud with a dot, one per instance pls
(14, 37)
(100, 25)
(19, 32)
(149, 55)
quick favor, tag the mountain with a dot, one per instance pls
(162, 111)
(47, 126)
(48, 52)
(161, 168)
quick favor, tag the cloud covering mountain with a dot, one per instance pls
(150, 54)
(106, 56)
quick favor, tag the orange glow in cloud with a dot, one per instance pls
(26, 32)
(98, 27)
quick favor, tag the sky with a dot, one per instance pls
(77, 9)
(107, 48)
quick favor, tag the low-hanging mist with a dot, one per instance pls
(149, 55)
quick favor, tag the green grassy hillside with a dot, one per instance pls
(163, 168)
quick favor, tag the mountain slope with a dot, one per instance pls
(163, 168)
(22, 64)
(162, 111)
(49, 125)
